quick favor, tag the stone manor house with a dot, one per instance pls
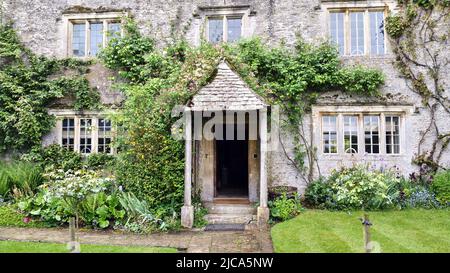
(234, 174)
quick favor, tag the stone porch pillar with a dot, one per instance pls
(187, 211)
(263, 210)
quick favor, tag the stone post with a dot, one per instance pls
(263, 210)
(187, 211)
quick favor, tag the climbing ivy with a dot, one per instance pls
(151, 162)
(419, 34)
(28, 85)
(294, 78)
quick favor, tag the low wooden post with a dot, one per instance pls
(366, 229)
(73, 245)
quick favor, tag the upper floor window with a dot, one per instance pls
(88, 34)
(358, 31)
(224, 29)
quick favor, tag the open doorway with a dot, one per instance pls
(232, 169)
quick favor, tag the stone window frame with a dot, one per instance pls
(244, 12)
(224, 19)
(403, 112)
(87, 18)
(366, 7)
(350, 149)
(331, 146)
(88, 135)
(362, 131)
(61, 114)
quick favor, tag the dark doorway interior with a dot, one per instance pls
(232, 168)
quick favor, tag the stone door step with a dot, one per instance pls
(230, 218)
(228, 200)
(225, 227)
(214, 208)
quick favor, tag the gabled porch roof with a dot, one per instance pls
(227, 91)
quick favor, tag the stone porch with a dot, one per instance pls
(229, 173)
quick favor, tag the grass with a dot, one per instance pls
(10, 217)
(416, 231)
(31, 247)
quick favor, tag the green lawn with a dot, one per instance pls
(394, 231)
(30, 247)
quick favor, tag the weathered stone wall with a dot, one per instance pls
(40, 26)
(40, 23)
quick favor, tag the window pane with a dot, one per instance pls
(68, 133)
(234, 29)
(215, 30)
(104, 136)
(114, 30)
(357, 33)
(79, 40)
(392, 134)
(329, 128)
(351, 134)
(337, 30)
(85, 135)
(376, 32)
(371, 134)
(96, 38)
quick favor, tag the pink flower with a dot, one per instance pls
(26, 220)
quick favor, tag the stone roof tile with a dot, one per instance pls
(227, 91)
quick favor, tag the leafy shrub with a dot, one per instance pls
(99, 161)
(395, 26)
(47, 208)
(422, 198)
(284, 208)
(359, 188)
(355, 188)
(83, 194)
(155, 172)
(76, 184)
(11, 217)
(19, 178)
(319, 194)
(127, 54)
(139, 215)
(100, 209)
(441, 187)
(55, 157)
(199, 214)
(423, 177)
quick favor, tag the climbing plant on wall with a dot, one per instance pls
(151, 162)
(294, 78)
(420, 35)
(28, 84)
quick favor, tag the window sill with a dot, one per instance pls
(388, 57)
(85, 58)
(362, 156)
